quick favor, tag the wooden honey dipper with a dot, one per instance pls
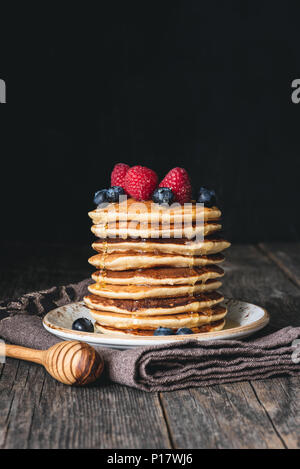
(70, 362)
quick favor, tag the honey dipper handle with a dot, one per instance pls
(28, 354)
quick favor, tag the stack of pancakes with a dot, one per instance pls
(145, 280)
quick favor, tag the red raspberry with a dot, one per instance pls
(118, 175)
(178, 180)
(140, 182)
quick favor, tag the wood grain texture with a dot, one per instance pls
(24, 353)
(280, 398)
(286, 417)
(227, 417)
(252, 276)
(37, 412)
(69, 362)
(286, 256)
(244, 415)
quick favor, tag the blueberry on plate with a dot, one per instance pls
(114, 192)
(163, 331)
(207, 197)
(100, 197)
(163, 195)
(184, 331)
(83, 325)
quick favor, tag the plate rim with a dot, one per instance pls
(230, 333)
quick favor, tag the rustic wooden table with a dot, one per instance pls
(37, 412)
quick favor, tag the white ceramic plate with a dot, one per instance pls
(243, 319)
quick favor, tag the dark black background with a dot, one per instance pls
(203, 85)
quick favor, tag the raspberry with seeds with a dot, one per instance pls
(118, 175)
(178, 180)
(140, 182)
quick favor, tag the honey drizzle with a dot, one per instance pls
(194, 281)
(103, 273)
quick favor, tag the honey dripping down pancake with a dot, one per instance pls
(137, 292)
(212, 327)
(124, 229)
(155, 306)
(158, 276)
(173, 321)
(134, 260)
(131, 210)
(147, 281)
(102, 261)
(176, 246)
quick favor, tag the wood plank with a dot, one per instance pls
(250, 276)
(219, 417)
(12, 383)
(38, 412)
(281, 400)
(285, 417)
(13, 286)
(286, 256)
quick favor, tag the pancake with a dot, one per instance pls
(137, 292)
(130, 209)
(173, 321)
(155, 306)
(212, 327)
(158, 276)
(138, 230)
(157, 266)
(131, 260)
(177, 246)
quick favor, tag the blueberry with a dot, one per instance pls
(163, 331)
(163, 195)
(100, 197)
(114, 192)
(207, 197)
(83, 325)
(184, 331)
